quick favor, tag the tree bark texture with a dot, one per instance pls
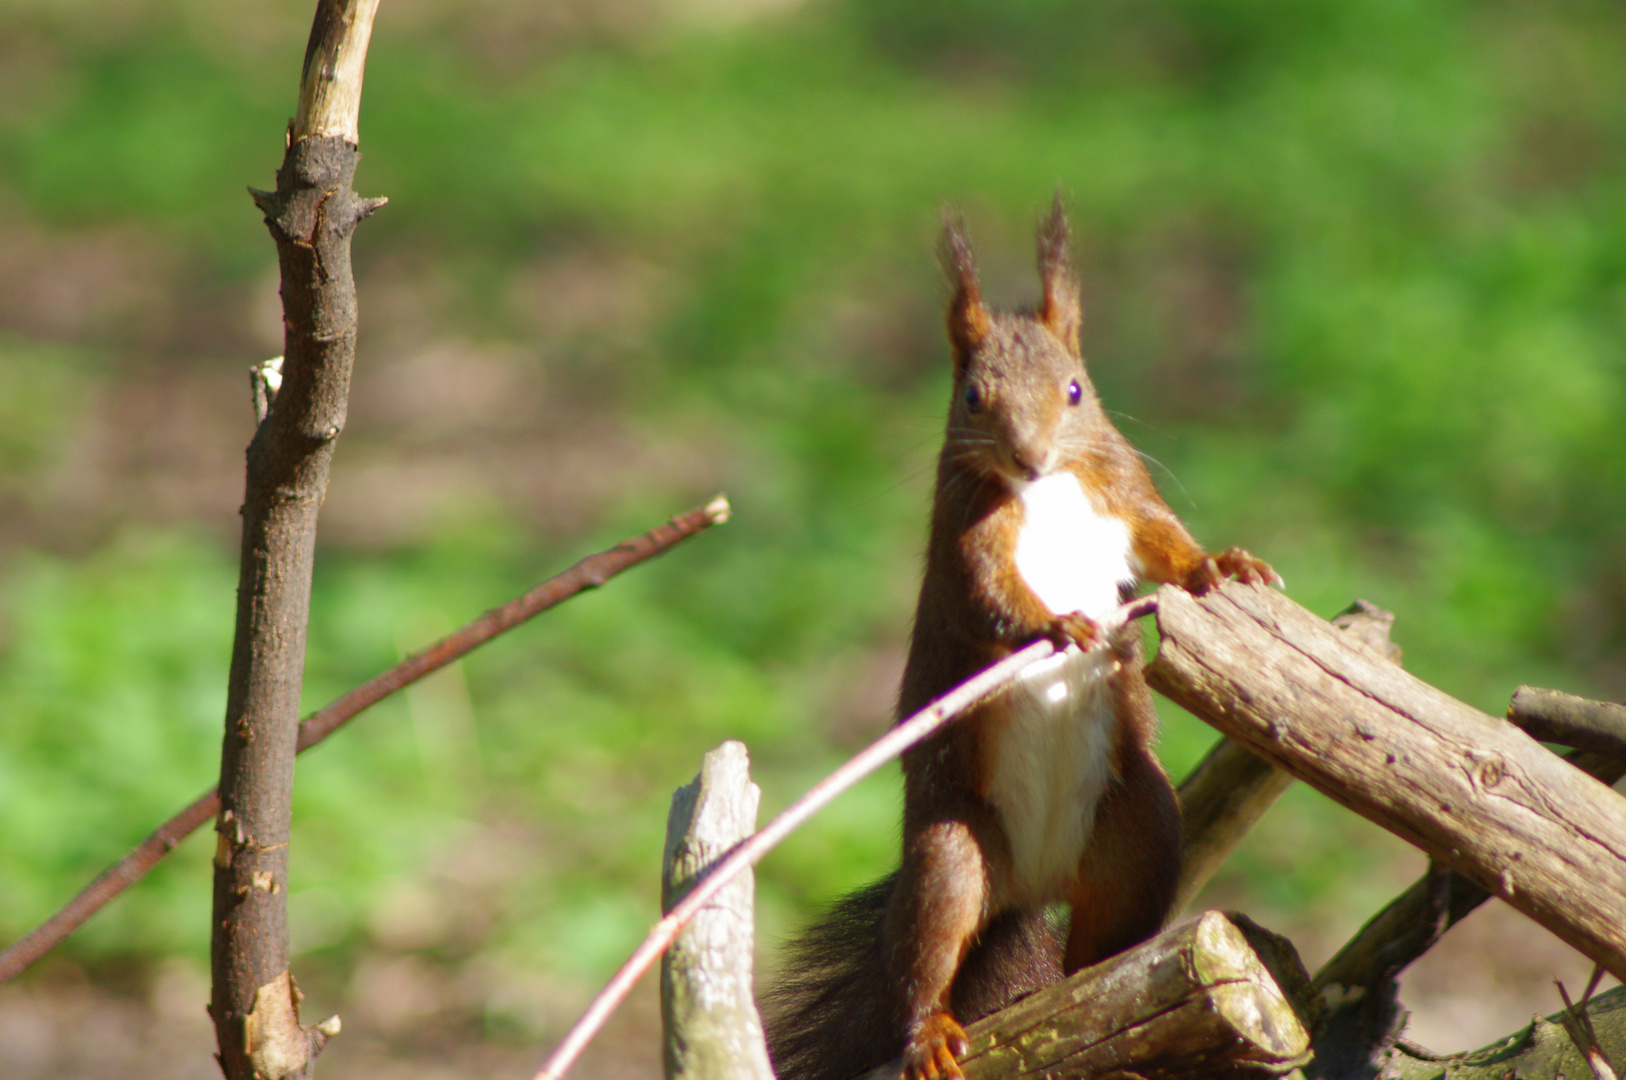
(1359, 986)
(1217, 997)
(712, 1028)
(1231, 788)
(311, 215)
(1481, 796)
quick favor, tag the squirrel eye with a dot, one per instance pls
(973, 400)
(1075, 393)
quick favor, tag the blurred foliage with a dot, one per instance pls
(1356, 279)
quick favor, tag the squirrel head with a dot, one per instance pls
(1023, 405)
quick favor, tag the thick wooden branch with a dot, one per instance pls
(1475, 792)
(1231, 788)
(1215, 998)
(588, 573)
(1359, 986)
(311, 216)
(708, 1012)
(1556, 717)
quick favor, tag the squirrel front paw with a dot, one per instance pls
(1232, 563)
(1076, 628)
(931, 1052)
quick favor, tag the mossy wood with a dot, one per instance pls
(1544, 1049)
(1217, 997)
(1481, 796)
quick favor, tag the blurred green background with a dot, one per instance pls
(1355, 277)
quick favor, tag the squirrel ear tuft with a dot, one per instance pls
(968, 321)
(1060, 309)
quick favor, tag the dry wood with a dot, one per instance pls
(1231, 788)
(311, 216)
(1223, 798)
(708, 1011)
(1478, 794)
(1204, 999)
(1556, 717)
(589, 573)
(1359, 986)
(1375, 943)
(1544, 1049)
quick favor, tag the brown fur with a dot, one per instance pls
(896, 968)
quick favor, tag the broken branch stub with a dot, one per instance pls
(708, 1012)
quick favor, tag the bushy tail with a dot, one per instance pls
(834, 1011)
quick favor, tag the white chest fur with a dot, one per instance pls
(1053, 752)
(1073, 558)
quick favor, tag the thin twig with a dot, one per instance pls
(589, 573)
(1579, 1026)
(750, 851)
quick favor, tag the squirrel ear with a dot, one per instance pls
(1060, 310)
(968, 321)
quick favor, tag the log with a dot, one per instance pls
(1541, 1050)
(1231, 788)
(1359, 988)
(1217, 997)
(1354, 963)
(709, 1016)
(1472, 790)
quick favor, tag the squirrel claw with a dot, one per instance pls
(931, 1052)
(1076, 628)
(1235, 563)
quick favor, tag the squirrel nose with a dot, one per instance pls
(1032, 461)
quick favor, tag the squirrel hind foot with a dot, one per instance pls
(932, 1053)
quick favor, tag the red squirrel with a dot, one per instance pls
(1044, 520)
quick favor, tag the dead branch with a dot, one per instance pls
(311, 216)
(1577, 1021)
(1475, 792)
(1223, 798)
(902, 736)
(1231, 788)
(1359, 986)
(708, 1012)
(1556, 717)
(1213, 998)
(588, 573)
(1354, 964)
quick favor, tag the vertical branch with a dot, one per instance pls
(708, 1013)
(311, 216)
